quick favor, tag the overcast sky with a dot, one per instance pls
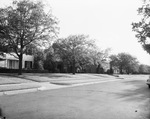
(107, 21)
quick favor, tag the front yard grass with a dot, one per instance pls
(6, 79)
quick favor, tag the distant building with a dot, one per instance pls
(116, 70)
(11, 62)
(106, 66)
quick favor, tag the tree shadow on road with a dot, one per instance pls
(1, 114)
(139, 94)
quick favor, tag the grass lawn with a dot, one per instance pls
(52, 77)
(28, 80)
(4, 79)
(48, 77)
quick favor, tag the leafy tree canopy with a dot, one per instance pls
(142, 28)
(25, 23)
(124, 61)
(73, 49)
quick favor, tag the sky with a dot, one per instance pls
(107, 21)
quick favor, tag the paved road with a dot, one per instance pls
(122, 99)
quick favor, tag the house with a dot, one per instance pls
(105, 65)
(10, 61)
(116, 70)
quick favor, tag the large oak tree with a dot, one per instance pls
(25, 23)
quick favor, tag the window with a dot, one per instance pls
(28, 64)
(13, 64)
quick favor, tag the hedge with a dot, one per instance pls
(4, 70)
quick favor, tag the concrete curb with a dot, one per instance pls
(13, 92)
(19, 91)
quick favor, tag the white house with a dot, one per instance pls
(11, 62)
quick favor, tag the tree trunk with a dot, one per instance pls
(121, 71)
(73, 67)
(20, 64)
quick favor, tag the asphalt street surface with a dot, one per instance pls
(120, 99)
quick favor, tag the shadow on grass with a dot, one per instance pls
(49, 77)
(37, 77)
(33, 77)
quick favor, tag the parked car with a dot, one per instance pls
(148, 82)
